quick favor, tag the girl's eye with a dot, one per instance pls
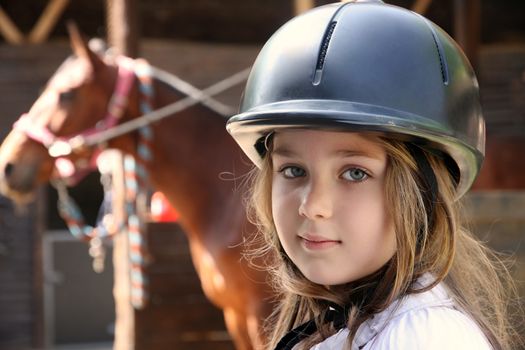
(292, 172)
(355, 174)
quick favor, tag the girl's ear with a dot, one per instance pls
(80, 47)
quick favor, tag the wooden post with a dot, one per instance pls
(122, 26)
(122, 35)
(467, 27)
(421, 6)
(124, 312)
(301, 6)
(39, 336)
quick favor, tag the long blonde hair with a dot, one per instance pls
(477, 279)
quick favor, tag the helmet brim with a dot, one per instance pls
(252, 126)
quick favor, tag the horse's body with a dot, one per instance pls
(195, 164)
(502, 168)
(192, 157)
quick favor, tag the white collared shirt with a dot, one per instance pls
(428, 320)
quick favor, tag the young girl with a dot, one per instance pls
(365, 124)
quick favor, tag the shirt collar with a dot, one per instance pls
(437, 296)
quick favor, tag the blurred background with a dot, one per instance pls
(51, 298)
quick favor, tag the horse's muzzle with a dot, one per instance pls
(17, 182)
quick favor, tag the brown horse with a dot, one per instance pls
(502, 168)
(191, 151)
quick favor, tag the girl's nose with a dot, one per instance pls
(316, 202)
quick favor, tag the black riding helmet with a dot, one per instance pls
(366, 66)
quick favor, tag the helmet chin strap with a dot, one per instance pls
(429, 190)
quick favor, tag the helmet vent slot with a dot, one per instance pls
(322, 53)
(324, 46)
(441, 54)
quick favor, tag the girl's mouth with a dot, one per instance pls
(313, 242)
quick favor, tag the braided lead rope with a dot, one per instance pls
(68, 208)
(137, 241)
(136, 182)
(72, 215)
(76, 224)
(61, 146)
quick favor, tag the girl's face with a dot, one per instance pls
(328, 204)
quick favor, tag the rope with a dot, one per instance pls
(190, 90)
(95, 236)
(136, 176)
(135, 184)
(166, 111)
(136, 181)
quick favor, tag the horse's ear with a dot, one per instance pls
(80, 46)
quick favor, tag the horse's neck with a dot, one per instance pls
(194, 164)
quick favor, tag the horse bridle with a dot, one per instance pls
(109, 128)
(60, 146)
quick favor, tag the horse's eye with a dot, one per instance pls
(67, 96)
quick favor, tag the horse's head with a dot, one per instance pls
(74, 103)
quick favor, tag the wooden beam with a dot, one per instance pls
(9, 30)
(467, 27)
(47, 21)
(421, 6)
(122, 26)
(301, 6)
